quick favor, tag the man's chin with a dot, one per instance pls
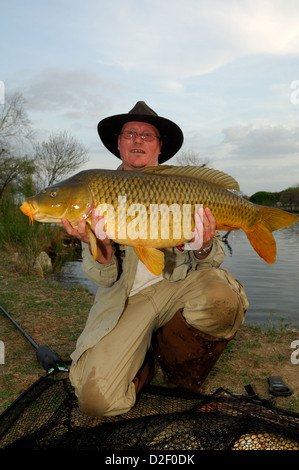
(136, 165)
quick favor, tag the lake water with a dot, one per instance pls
(272, 290)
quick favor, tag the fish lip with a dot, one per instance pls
(28, 209)
(33, 215)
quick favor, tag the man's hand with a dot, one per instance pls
(204, 232)
(80, 233)
(104, 246)
(209, 227)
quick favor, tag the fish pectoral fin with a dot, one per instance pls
(152, 258)
(93, 241)
(263, 242)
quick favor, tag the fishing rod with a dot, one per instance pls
(47, 358)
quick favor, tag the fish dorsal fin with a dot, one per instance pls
(198, 172)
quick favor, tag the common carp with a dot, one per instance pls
(176, 191)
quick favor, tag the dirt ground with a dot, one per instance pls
(53, 316)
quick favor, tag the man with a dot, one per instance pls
(186, 316)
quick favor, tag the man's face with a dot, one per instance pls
(137, 153)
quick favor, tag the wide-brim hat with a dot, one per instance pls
(170, 133)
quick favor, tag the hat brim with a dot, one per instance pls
(171, 135)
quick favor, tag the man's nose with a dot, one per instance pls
(138, 138)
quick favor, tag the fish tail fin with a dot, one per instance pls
(261, 237)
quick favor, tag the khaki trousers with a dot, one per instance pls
(212, 302)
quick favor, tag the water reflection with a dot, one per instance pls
(272, 290)
(71, 275)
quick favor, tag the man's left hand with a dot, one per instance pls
(205, 230)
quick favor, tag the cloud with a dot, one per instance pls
(74, 93)
(174, 85)
(259, 156)
(67, 99)
(197, 38)
(267, 142)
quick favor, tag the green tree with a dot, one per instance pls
(263, 198)
(290, 196)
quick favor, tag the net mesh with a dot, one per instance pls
(47, 417)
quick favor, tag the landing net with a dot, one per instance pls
(47, 417)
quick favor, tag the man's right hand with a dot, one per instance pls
(104, 246)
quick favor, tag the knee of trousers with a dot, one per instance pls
(92, 402)
(97, 401)
(97, 404)
(219, 312)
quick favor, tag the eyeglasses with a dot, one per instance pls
(131, 135)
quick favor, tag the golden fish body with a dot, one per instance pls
(154, 208)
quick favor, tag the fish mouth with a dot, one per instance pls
(28, 209)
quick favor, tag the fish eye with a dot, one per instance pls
(53, 193)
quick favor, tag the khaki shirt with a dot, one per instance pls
(115, 281)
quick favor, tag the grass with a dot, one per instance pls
(25, 241)
(55, 317)
(255, 355)
(48, 313)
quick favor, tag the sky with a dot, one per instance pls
(225, 71)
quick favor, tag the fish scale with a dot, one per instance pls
(134, 222)
(228, 208)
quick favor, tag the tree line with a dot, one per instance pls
(27, 165)
(288, 197)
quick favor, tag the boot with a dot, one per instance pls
(145, 373)
(186, 355)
